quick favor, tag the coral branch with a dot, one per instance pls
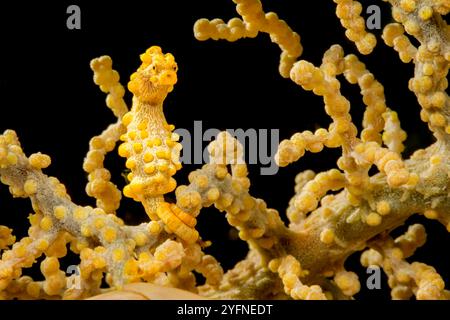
(55, 212)
(100, 187)
(349, 13)
(422, 20)
(406, 279)
(254, 20)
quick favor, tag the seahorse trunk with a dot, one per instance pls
(152, 153)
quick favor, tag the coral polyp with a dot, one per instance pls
(353, 207)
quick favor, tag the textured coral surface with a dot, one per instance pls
(353, 207)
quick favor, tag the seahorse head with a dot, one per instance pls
(155, 78)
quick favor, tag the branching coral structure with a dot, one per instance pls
(332, 215)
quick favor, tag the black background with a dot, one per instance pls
(48, 96)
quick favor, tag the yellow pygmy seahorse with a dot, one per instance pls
(151, 146)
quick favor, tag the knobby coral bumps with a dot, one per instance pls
(332, 214)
